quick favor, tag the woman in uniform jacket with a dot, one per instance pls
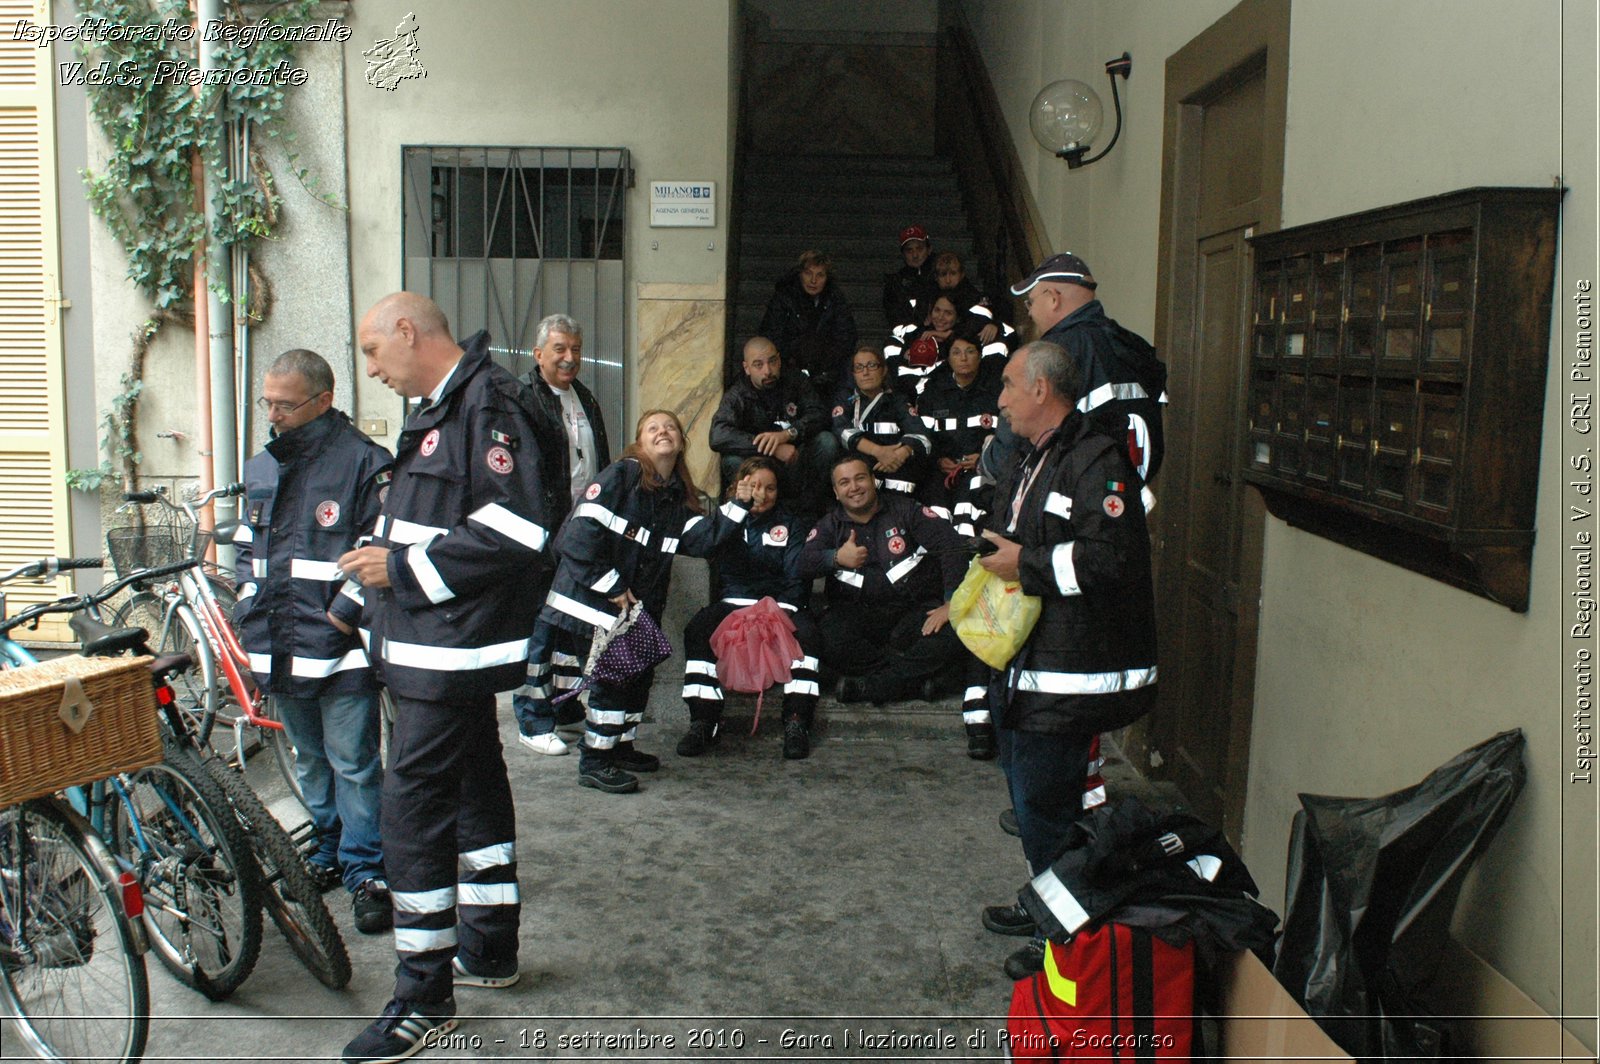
(615, 549)
(762, 561)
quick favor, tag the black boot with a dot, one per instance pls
(980, 742)
(796, 740)
(702, 736)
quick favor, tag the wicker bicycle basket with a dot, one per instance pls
(133, 549)
(41, 754)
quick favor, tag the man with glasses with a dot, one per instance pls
(311, 493)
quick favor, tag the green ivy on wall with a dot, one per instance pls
(159, 133)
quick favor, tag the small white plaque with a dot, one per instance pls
(683, 204)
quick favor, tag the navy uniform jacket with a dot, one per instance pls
(310, 495)
(465, 523)
(1124, 384)
(886, 418)
(619, 538)
(1090, 664)
(959, 419)
(914, 557)
(764, 559)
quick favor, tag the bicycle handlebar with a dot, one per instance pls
(74, 603)
(50, 567)
(146, 498)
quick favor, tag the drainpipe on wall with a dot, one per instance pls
(219, 327)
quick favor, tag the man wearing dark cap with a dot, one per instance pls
(907, 291)
(1124, 384)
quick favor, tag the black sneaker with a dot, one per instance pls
(324, 877)
(1026, 961)
(373, 908)
(796, 741)
(401, 1031)
(701, 737)
(627, 758)
(981, 743)
(492, 977)
(1008, 823)
(853, 689)
(1010, 919)
(607, 777)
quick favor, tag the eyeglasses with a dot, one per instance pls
(282, 406)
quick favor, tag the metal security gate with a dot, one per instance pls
(501, 237)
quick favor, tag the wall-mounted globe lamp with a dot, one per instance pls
(1067, 114)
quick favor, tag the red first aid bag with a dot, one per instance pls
(755, 646)
(1114, 993)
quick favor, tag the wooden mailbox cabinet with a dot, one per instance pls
(1397, 380)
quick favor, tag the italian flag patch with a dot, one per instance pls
(1116, 485)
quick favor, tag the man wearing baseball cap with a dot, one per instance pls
(906, 290)
(1124, 383)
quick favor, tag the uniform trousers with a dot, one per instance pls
(888, 646)
(554, 667)
(703, 691)
(450, 844)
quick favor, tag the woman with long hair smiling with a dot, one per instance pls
(615, 549)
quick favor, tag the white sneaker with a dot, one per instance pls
(545, 744)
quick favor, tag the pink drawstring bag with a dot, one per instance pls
(754, 646)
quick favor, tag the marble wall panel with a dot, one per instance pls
(681, 332)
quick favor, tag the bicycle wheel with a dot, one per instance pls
(71, 974)
(203, 894)
(176, 630)
(292, 899)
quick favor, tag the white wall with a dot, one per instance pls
(646, 76)
(1368, 675)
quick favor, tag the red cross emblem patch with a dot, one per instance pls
(791, 410)
(327, 513)
(838, 410)
(1114, 506)
(499, 460)
(779, 533)
(811, 535)
(897, 545)
(987, 421)
(592, 492)
(430, 443)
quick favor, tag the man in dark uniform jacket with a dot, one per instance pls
(906, 291)
(777, 414)
(1069, 524)
(451, 581)
(892, 565)
(1124, 384)
(310, 494)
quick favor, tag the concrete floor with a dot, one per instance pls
(737, 895)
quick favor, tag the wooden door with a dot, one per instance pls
(1222, 179)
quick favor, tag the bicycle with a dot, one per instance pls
(169, 824)
(292, 898)
(72, 971)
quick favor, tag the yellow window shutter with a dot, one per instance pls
(33, 441)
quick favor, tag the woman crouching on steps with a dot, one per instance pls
(762, 560)
(615, 549)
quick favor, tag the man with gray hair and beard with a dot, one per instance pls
(552, 656)
(1069, 525)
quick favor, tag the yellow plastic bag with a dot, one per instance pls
(992, 616)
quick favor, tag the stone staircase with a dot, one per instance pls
(850, 206)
